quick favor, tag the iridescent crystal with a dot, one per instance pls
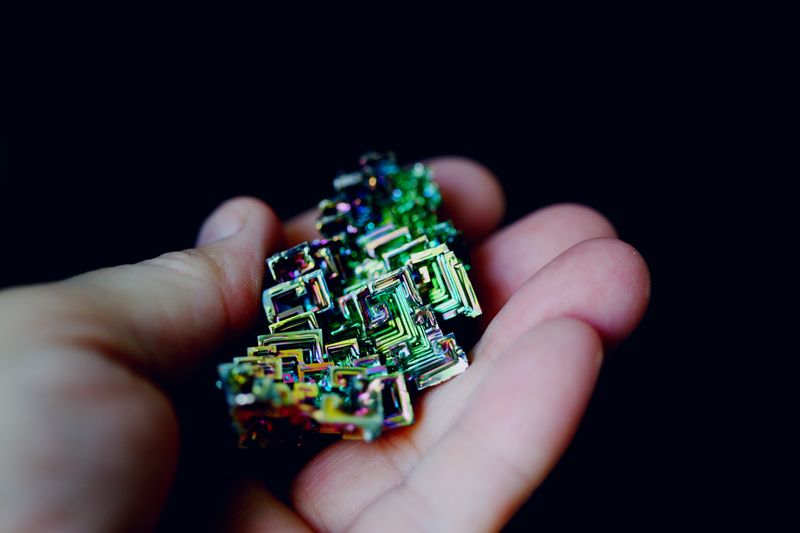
(354, 316)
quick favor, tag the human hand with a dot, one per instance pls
(90, 438)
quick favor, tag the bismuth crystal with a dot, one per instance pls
(354, 316)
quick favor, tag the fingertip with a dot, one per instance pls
(626, 287)
(641, 272)
(240, 215)
(471, 194)
(302, 227)
(512, 255)
(240, 255)
(640, 280)
(227, 219)
(603, 282)
(263, 227)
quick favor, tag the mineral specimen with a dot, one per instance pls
(354, 317)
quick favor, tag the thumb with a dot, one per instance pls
(165, 314)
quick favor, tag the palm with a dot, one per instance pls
(482, 442)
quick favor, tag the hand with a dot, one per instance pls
(90, 438)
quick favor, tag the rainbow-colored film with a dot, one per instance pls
(354, 317)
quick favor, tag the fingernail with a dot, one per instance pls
(225, 221)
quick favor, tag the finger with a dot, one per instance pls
(166, 314)
(254, 509)
(80, 428)
(510, 435)
(302, 227)
(471, 196)
(604, 282)
(336, 486)
(359, 471)
(509, 257)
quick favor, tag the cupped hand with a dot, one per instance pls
(89, 437)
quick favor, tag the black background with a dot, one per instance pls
(114, 149)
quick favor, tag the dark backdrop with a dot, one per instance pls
(109, 157)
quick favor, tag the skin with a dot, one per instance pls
(90, 437)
